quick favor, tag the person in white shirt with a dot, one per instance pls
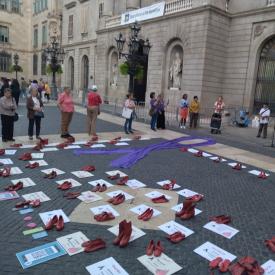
(130, 105)
(264, 118)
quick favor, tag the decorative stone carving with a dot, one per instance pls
(258, 30)
(53, 29)
(175, 71)
(114, 69)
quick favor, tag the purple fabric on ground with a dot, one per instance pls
(133, 155)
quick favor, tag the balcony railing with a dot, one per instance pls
(270, 2)
(177, 6)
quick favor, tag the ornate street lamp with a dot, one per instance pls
(55, 55)
(138, 51)
(16, 67)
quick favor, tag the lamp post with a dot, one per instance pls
(55, 55)
(138, 51)
(16, 62)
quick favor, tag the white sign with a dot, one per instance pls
(101, 182)
(26, 182)
(6, 161)
(135, 184)
(257, 173)
(106, 267)
(36, 196)
(210, 252)
(37, 155)
(72, 181)
(98, 146)
(145, 13)
(51, 149)
(104, 208)
(173, 227)
(269, 267)
(89, 197)
(82, 174)
(72, 147)
(48, 171)
(161, 183)
(222, 229)
(115, 172)
(121, 144)
(10, 152)
(46, 216)
(233, 164)
(15, 171)
(142, 208)
(187, 193)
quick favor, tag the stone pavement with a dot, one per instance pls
(247, 199)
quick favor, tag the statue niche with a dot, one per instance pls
(175, 68)
(113, 70)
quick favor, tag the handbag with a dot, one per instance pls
(126, 112)
(152, 112)
(39, 114)
(15, 117)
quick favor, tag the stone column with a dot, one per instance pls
(108, 8)
(132, 4)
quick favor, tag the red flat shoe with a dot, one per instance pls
(142, 215)
(35, 203)
(71, 195)
(120, 198)
(104, 216)
(148, 216)
(16, 145)
(94, 245)
(150, 248)
(126, 235)
(63, 145)
(117, 138)
(176, 237)
(136, 137)
(123, 180)
(2, 152)
(236, 269)
(88, 168)
(169, 186)
(121, 228)
(224, 266)
(103, 188)
(6, 172)
(16, 187)
(113, 142)
(215, 263)
(158, 249)
(26, 156)
(238, 167)
(89, 144)
(94, 138)
(262, 175)
(51, 175)
(198, 154)
(38, 146)
(270, 245)
(196, 198)
(161, 199)
(114, 177)
(51, 223)
(183, 149)
(33, 165)
(66, 185)
(22, 204)
(217, 160)
(222, 219)
(60, 224)
(96, 188)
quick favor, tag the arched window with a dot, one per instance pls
(71, 73)
(35, 64)
(85, 72)
(5, 61)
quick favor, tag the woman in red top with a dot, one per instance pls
(93, 103)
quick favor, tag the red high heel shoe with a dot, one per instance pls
(221, 219)
(66, 185)
(51, 223)
(121, 228)
(123, 180)
(262, 175)
(148, 216)
(224, 266)
(196, 198)
(176, 237)
(102, 188)
(150, 248)
(120, 198)
(33, 165)
(26, 156)
(71, 195)
(38, 146)
(169, 186)
(142, 215)
(96, 188)
(161, 199)
(60, 224)
(158, 249)
(238, 167)
(104, 216)
(16, 187)
(88, 168)
(198, 154)
(16, 145)
(114, 177)
(35, 203)
(51, 175)
(6, 172)
(93, 245)
(215, 263)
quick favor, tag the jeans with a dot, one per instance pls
(193, 119)
(154, 121)
(128, 124)
(37, 121)
(7, 127)
(92, 113)
(263, 126)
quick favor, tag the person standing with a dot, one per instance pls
(66, 106)
(24, 86)
(129, 104)
(183, 111)
(93, 109)
(194, 109)
(161, 113)
(35, 113)
(264, 118)
(219, 105)
(4, 86)
(7, 111)
(15, 88)
(47, 91)
(153, 110)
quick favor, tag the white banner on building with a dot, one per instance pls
(145, 13)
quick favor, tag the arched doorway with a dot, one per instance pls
(85, 72)
(71, 73)
(265, 83)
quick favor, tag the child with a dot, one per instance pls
(183, 111)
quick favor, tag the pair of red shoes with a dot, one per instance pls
(160, 199)
(5, 172)
(270, 244)
(44, 141)
(196, 198)
(38, 146)
(58, 222)
(71, 195)
(93, 245)
(217, 160)
(89, 144)
(63, 144)
(146, 215)
(223, 265)
(33, 204)
(118, 199)
(33, 165)
(124, 234)
(123, 180)
(16, 145)
(221, 219)
(199, 154)
(238, 167)
(115, 140)
(154, 249)
(188, 210)
(176, 237)
(169, 186)
(246, 265)
(136, 137)
(2, 152)
(114, 177)
(15, 187)
(88, 168)
(26, 156)
(51, 175)
(66, 185)
(262, 175)
(100, 188)
(104, 216)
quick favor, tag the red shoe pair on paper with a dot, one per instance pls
(15, 187)
(160, 199)
(94, 138)
(146, 215)
(246, 265)
(262, 175)
(124, 234)
(2, 152)
(44, 141)
(58, 222)
(104, 216)
(26, 156)
(71, 195)
(169, 186)
(32, 165)
(118, 199)
(188, 210)
(63, 144)
(88, 168)
(39, 145)
(123, 180)
(100, 188)
(196, 198)
(93, 245)
(238, 167)
(221, 219)
(176, 237)
(33, 204)
(136, 137)
(114, 177)
(217, 160)
(115, 140)
(66, 185)
(270, 244)
(5, 172)
(223, 265)
(199, 154)
(89, 143)
(154, 249)
(16, 145)
(51, 175)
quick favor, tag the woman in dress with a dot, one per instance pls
(129, 104)
(183, 111)
(153, 110)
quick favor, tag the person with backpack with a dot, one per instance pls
(264, 119)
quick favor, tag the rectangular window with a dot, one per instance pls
(35, 38)
(43, 64)
(3, 5)
(35, 64)
(4, 34)
(15, 6)
(100, 12)
(5, 61)
(44, 34)
(71, 26)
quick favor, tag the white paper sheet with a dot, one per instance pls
(10, 152)
(232, 164)
(187, 193)
(114, 172)
(257, 173)
(115, 193)
(269, 267)
(136, 232)
(100, 181)
(221, 229)
(98, 146)
(26, 146)
(156, 194)
(37, 155)
(72, 147)
(161, 183)
(36, 196)
(41, 162)
(82, 174)
(89, 197)
(135, 184)
(74, 182)
(172, 227)
(215, 158)
(50, 149)
(52, 144)
(26, 182)
(121, 144)
(6, 161)
(58, 172)
(142, 207)
(104, 208)
(80, 142)
(16, 171)
(178, 208)
(46, 216)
